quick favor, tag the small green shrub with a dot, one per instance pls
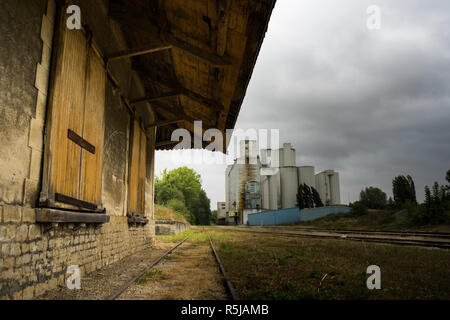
(358, 209)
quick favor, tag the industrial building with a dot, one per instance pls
(84, 106)
(270, 181)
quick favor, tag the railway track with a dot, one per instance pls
(355, 236)
(440, 235)
(228, 285)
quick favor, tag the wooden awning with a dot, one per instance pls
(194, 57)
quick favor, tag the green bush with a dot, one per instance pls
(358, 209)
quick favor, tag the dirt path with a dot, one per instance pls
(189, 273)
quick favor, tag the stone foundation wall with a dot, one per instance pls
(34, 259)
(170, 227)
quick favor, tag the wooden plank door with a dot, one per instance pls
(75, 125)
(137, 173)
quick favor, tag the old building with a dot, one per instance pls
(270, 181)
(245, 169)
(221, 213)
(83, 109)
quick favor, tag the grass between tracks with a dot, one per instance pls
(270, 267)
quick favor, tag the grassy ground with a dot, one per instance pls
(164, 213)
(374, 220)
(267, 267)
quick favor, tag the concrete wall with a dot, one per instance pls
(285, 216)
(170, 227)
(33, 260)
(26, 33)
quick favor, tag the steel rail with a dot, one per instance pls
(228, 284)
(403, 242)
(442, 235)
(134, 279)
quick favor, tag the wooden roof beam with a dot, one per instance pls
(166, 143)
(137, 52)
(164, 123)
(202, 54)
(176, 87)
(215, 105)
(155, 98)
(209, 58)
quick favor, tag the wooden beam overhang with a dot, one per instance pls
(209, 58)
(221, 54)
(171, 42)
(166, 143)
(163, 123)
(137, 52)
(155, 98)
(176, 87)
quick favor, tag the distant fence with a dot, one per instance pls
(283, 216)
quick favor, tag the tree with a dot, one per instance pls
(316, 197)
(447, 188)
(358, 209)
(404, 190)
(203, 213)
(428, 200)
(308, 197)
(373, 198)
(302, 197)
(182, 190)
(214, 218)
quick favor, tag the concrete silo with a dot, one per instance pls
(289, 186)
(335, 189)
(327, 185)
(275, 191)
(265, 192)
(306, 176)
(287, 156)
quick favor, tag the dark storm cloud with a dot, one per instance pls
(371, 104)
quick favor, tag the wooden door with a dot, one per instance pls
(75, 125)
(137, 172)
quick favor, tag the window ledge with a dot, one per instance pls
(60, 216)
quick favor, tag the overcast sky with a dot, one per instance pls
(371, 104)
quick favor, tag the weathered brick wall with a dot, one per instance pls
(33, 260)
